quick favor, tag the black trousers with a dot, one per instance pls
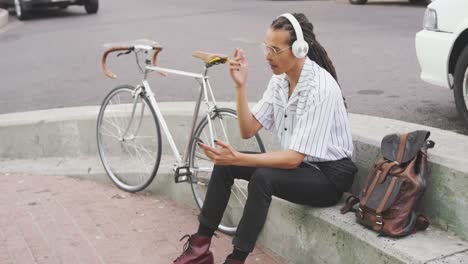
(303, 185)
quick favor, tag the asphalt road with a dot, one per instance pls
(53, 59)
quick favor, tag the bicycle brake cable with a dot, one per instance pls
(138, 62)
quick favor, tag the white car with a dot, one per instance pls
(442, 49)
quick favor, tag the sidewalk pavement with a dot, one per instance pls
(51, 219)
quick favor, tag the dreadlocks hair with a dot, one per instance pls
(316, 52)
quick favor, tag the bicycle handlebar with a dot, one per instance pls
(110, 74)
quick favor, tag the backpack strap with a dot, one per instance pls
(378, 211)
(389, 191)
(370, 189)
(401, 148)
(349, 204)
(386, 168)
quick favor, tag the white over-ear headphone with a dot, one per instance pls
(300, 46)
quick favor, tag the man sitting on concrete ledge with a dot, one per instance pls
(303, 105)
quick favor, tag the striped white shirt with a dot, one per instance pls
(313, 121)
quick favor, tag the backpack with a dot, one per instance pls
(394, 186)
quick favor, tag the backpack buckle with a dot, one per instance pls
(378, 219)
(360, 213)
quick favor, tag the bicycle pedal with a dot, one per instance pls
(182, 174)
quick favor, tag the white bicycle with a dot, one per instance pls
(129, 132)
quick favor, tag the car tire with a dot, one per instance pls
(21, 12)
(91, 6)
(358, 2)
(419, 1)
(460, 87)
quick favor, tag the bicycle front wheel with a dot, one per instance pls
(225, 128)
(129, 138)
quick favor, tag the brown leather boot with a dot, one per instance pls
(196, 251)
(232, 261)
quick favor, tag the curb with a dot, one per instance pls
(63, 141)
(3, 17)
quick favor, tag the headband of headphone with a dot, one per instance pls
(300, 46)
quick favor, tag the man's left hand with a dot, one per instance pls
(224, 155)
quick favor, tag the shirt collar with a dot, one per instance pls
(304, 82)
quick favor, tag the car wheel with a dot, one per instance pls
(419, 1)
(20, 10)
(358, 2)
(460, 90)
(91, 6)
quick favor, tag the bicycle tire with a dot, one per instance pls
(199, 183)
(121, 159)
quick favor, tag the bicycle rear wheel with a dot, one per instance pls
(129, 138)
(225, 128)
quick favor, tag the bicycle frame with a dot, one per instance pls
(206, 93)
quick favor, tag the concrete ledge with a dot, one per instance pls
(63, 141)
(71, 132)
(3, 17)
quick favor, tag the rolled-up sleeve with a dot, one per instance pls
(263, 109)
(311, 135)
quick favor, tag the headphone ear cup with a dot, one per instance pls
(300, 48)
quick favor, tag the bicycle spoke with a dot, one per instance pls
(145, 137)
(207, 170)
(240, 190)
(122, 120)
(112, 144)
(203, 181)
(109, 135)
(206, 138)
(201, 156)
(118, 98)
(125, 147)
(141, 160)
(114, 125)
(115, 118)
(106, 132)
(226, 139)
(142, 148)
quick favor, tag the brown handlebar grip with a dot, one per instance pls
(104, 60)
(155, 55)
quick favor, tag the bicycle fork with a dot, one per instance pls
(136, 95)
